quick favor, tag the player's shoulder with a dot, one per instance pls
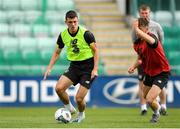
(154, 23)
(64, 32)
(83, 28)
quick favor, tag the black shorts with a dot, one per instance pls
(160, 80)
(80, 72)
(141, 73)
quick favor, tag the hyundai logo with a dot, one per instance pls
(122, 91)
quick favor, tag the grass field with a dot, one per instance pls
(95, 118)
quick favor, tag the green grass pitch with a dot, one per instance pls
(43, 117)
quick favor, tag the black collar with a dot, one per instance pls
(73, 35)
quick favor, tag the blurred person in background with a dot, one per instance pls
(156, 29)
(83, 53)
(154, 64)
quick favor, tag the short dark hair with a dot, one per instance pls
(144, 7)
(143, 22)
(71, 14)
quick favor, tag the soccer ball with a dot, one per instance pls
(63, 115)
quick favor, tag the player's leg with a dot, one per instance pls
(142, 99)
(84, 74)
(141, 96)
(151, 91)
(162, 95)
(61, 86)
(80, 96)
(161, 80)
(81, 93)
(153, 103)
(85, 84)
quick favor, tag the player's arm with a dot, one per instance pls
(151, 39)
(134, 37)
(145, 36)
(55, 56)
(142, 34)
(160, 33)
(90, 39)
(96, 60)
(53, 60)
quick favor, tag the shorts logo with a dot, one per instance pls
(87, 82)
(159, 81)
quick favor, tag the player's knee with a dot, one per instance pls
(149, 100)
(59, 89)
(79, 99)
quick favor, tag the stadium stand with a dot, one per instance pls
(171, 32)
(10, 5)
(31, 16)
(30, 4)
(28, 34)
(163, 17)
(4, 29)
(11, 53)
(20, 30)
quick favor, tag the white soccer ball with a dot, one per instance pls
(63, 115)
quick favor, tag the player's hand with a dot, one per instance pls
(131, 70)
(47, 73)
(94, 74)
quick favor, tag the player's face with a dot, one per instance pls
(72, 24)
(144, 13)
